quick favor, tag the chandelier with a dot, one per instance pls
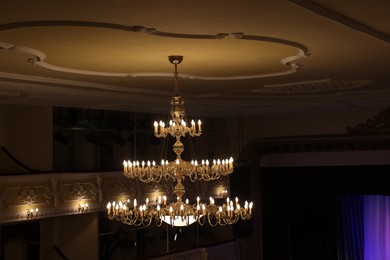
(178, 213)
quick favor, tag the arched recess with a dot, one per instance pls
(252, 155)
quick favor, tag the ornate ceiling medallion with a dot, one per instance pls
(39, 57)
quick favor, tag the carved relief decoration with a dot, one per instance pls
(379, 123)
(6, 197)
(78, 191)
(27, 195)
(124, 188)
(48, 194)
(314, 86)
(93, 189)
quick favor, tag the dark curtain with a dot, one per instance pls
(376, 227)
(315, 212)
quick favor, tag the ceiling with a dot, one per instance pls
(247, 57)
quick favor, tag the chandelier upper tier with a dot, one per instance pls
(177, 127)
(179, 213)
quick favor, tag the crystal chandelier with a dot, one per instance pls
(178, 213)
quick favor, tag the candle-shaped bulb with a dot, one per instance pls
(162, 162)
(187, 201)
(158, 207)
(124, 164)
(181, 207)
(192, 122)
(202, 162)
(170, 209)
(143, 163)
(147, 201)
(129, 164)
(214, 161)
(154, 163)
(148, 163)
(220, 209)
(170, 122)
(207, 162)
(135, 203)
(109, 205)
(155, 126)
(177, 161)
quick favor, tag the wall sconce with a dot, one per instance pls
(223, 193)
(32, 213)
(83, 208)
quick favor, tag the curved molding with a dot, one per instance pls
(313, 86)
(252, 153)
(38, 56)
(379, 123)
(342, 19)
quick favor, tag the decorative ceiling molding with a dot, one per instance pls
(337, 17)
(74, 83)
(379, 123)
(38, 56)
(313, 86)
(253, 152)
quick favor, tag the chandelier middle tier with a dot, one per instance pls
(177, 127)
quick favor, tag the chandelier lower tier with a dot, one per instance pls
(178, 213)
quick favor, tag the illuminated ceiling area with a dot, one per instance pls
(247, 58)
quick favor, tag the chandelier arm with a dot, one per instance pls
(199, 220)
(210, 222)
(146, 222)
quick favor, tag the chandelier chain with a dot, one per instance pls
(175, 74)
